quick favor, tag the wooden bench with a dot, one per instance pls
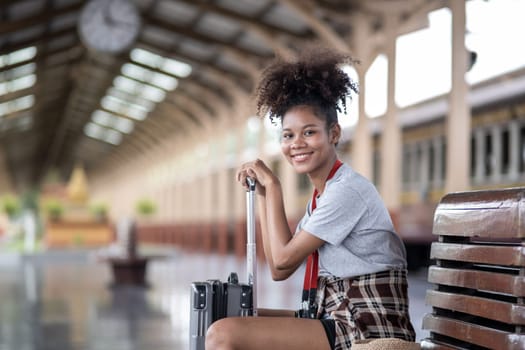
(479, 272)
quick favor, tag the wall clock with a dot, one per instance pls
(109, 25)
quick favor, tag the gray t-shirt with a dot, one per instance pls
(353, 221)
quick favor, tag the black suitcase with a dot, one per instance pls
(212, 300)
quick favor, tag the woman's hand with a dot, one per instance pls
(258, 171)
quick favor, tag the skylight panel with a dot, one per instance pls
(18, 72)
(17, 104)
(112, 121)
(103, 134)
(177, 68)
(18, 56)
(133, 87)
(121, 107)
(164, 81)
(131, 98)
(112, 136)
(168, 65)
(161, 80)
(145, 57)
(17, 78)
(123, 125)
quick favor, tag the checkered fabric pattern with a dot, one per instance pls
(368, 306)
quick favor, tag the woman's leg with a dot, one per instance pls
(275, 333)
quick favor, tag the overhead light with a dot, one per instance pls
(18, 56)
(103, 134)
(122, 107)
(161, 80)
(134, 87)
(168, 65)
(110, 120)
(17, 104)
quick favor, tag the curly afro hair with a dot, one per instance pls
(316, 79)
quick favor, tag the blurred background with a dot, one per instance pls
(122, 123)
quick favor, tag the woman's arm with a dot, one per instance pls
(288, 251)
(277, 275)
(285, 252)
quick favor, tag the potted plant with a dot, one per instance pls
(145, 207)
(99, 211)
(10, 205)
(54, 209)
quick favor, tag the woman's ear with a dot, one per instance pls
(335, 133)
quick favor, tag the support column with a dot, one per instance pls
(514, 150)
(438, 166)
(459, 120)
(391, 136)
(424, 170)
(412, 166)
(362, 140)
(479, 143)
(496, 154)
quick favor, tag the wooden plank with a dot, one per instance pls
(492, 309)
(494, 214)
(495, 255)
(480, 280)
(474, 334)
(431, 344)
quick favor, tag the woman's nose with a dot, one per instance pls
(297, 142)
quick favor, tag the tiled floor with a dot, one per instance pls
(63, 301)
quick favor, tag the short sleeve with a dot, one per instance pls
(338, 212)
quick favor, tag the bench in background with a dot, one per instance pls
(479, 272)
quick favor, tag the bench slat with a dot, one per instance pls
(474, 334)
(431, 344)
(494, 214)
(480, 280)
(483, 307)
(495, 255)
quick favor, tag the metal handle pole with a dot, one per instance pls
(251, 254)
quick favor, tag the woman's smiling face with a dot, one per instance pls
(305, 141)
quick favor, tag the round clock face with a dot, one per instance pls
(109, 25)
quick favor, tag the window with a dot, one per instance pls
(522, 147)
(505, 151)
(473, 153)
(488, 154)
(406, 164)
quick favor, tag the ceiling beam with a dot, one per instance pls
(43, 17)
(306, 10)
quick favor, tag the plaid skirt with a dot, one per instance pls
(368, 306)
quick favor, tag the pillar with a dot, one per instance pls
(391, 136)
(497, 160)
(362, 140)
(514, 150)
(458, 121)
(479, 143)
(437, 143)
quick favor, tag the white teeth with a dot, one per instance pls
(300, 156)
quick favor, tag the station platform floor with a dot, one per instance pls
(64, 300)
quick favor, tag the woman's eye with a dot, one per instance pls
(286, 136)
(309, 132)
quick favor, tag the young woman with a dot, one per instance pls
(361, 287)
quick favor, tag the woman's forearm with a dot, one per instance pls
(278, 230)
(276, 273)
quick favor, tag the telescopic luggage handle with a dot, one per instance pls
(251, 256)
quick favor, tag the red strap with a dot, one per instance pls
(312, 264)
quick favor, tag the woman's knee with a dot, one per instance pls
(221, 334)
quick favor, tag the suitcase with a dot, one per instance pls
(213, 299)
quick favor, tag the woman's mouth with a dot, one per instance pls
(301, 157)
